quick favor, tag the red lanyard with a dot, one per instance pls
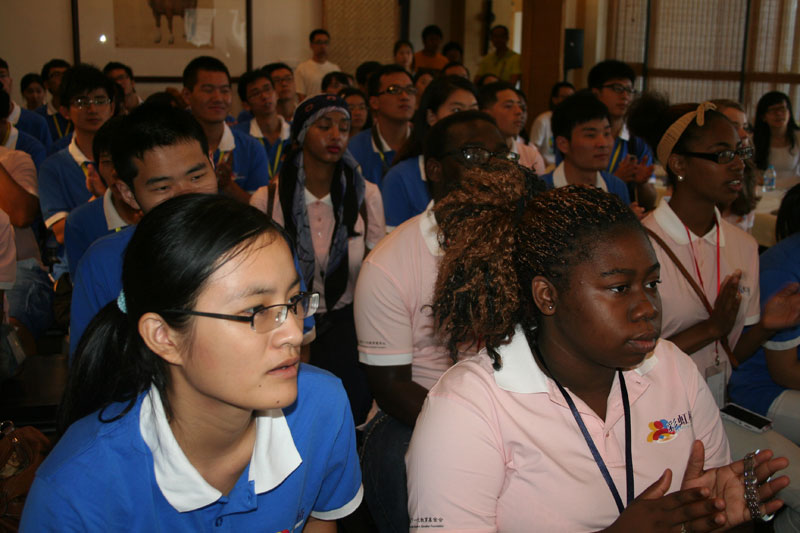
(700, 277)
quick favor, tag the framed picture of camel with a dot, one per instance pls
(157, 38)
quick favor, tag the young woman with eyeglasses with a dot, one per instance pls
(776, 137)
(702, 253)
(575, 416)
(187, 405)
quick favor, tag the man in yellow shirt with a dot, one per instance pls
(503, 62)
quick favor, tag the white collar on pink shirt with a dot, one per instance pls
(310, 198)
(430, 231)
(560, 178)
(669, 222)
(521, 374)
(274, 457)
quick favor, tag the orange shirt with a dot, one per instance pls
(436, 62)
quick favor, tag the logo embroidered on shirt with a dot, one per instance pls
(665, 430)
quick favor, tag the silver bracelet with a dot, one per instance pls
(751, 485)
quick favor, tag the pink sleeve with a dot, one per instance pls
(259, 199)
(455, 462)
(376, 223)
(538, 162)
(383, 320)
(8, 253)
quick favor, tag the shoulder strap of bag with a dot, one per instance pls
(271, 197)
(700, 294)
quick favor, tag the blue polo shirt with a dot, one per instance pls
(751, 385)
(28, 144)
(374, 161)
(31, 123)
(276, 151)
(60, 144)
(250, 164)
(98, 281)
(87, 223)
(605, 181)
(405, 193)
(56, 123)
(101, 476)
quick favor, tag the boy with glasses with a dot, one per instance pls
(392, 99)
(69, 178)
(308, 74)
(631, 160)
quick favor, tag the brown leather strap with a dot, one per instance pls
(699, 291)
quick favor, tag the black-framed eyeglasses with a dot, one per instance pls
(725, 156)
(84, 102)
(620, 89)
(410, 90)
(477, 155)
(265, 319)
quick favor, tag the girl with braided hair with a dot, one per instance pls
(574, 399)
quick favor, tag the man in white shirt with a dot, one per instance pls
(308, 74)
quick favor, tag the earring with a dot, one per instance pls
(550, 307)
(680, 178)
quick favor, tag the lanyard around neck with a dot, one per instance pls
(601, 465)
(58, 126)
(272, 168)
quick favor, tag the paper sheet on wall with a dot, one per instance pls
(199, 26)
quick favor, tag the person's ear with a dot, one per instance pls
(126, 193)
(596, 92)
(562, 143)
(161, 338)
(373, 103)
(64, 111)
(186, 93)
(433, 170)
(545, 295)
(677, 164)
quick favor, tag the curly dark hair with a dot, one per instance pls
(498, 234)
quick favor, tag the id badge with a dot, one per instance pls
(716, 378)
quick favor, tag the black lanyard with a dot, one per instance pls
(596, 454)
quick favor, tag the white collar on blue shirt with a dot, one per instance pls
(13, 135)
(520, 373)
(113, 220)
(624, 134)
(274, 457)
(430, 230)
(384, 145)
(76, 153)
(13, 117)
(255, 129)
(227, 143)
(421, 162)
(669, 221)
(560, 178)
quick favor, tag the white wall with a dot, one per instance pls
(425, 12)
(28, 39)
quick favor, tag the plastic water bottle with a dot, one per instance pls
(769, 179)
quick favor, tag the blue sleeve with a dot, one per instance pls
(51, 192)
(36, 126)
(47, 509)
(772, 280)
(98, 280)
(250, 164)
(548, 180)
(341, 484)
(396, 205)
(617, 186)
(244, 116)
(31, 146)
(74, 241)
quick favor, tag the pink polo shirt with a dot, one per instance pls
(681, 308)
(529, 156)
(501, 451)
(393, 323)
(8, 260)
(321, 222)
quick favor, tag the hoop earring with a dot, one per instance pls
(680, 178)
